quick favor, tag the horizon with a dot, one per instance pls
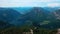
(24, 10)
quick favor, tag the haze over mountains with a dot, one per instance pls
(26, 9)
(37, 16)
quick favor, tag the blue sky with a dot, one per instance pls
(29, 3)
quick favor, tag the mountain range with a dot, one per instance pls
(36, 16)
(40, 17)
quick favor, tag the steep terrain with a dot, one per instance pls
(41, 17)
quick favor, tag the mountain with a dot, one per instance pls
(57, 13)
(4, 25)
(41, 17)
(55, 24)
(10, 15)
(23, 10)
(52, 9)
(37, 15)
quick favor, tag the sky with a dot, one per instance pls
(29, 3)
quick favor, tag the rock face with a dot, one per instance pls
(57, 14)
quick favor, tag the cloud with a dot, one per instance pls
(34, 0)
(27, 3)
(53, 5)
